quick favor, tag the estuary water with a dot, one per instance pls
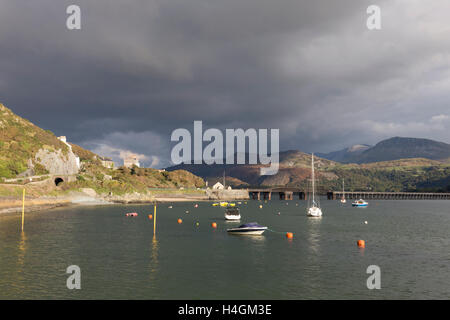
(119, 257)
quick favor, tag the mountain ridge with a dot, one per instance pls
(394, 148)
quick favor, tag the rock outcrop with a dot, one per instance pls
(56, 162)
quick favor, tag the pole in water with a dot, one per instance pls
(154, 220)
(23, 207)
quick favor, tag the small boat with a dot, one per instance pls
(215, 204)
(314, 210)
(232, 204)
(224, 204)
(343, 193)
(251, 228)
(232, 213)
(131, 214)
(360, 203)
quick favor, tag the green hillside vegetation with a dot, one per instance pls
(391, 179)
(415, 174)
(128, 180)
(19, 141)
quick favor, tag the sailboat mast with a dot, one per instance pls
(313, 186)
(343, 189)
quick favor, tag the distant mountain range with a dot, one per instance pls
(395, 164)
(391, 149)
(345, 155)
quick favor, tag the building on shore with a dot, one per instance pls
(63, 139)
(107, 162)
(218, 186)
(131, 160)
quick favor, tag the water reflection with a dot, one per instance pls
(154, 259)
(253, 238)
(22, 250)
(314, 233)
(20, 274)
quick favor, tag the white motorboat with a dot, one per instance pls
(232, 213)
(360, 203)
(251, 228)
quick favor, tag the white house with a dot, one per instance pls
(218, 186)
(63, 139)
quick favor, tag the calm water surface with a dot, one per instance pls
(120, 259)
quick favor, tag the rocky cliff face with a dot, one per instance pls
(57, 162)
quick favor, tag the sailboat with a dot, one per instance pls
(314, 210)
(343, 193)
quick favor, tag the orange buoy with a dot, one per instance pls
(180, 221)
(289, 235)
(361, 243)
(214, 225)
(150, 216)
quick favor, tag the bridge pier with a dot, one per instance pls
(284, 193)
(255, 195)
(333, 195)
(267, 195)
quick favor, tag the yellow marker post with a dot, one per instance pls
(154, 220)
(23, 207)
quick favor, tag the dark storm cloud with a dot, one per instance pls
(139, 69)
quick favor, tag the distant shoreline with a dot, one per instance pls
(10, 207)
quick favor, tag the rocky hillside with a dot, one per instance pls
(27, 150)
(294, 168)
(395, 175)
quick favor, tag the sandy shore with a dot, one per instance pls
(15, 206)
(33, 205)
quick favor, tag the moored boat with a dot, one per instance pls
(343, 193)
(232, 213)
(314, 209)
(251, 228)
(360, 203)
(131, 214)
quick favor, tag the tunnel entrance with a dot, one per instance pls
(58, 181)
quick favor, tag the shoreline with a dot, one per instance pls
(35, 205)
(88, 197)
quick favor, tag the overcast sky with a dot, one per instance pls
(138, 69)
